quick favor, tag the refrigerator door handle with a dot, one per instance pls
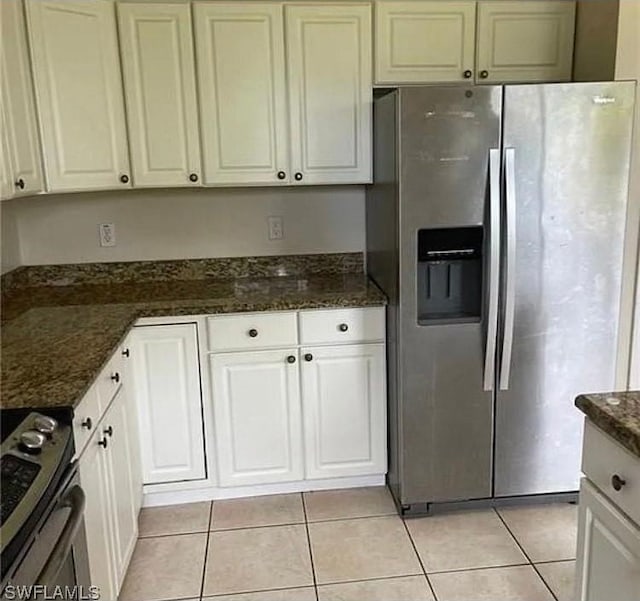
(510, 276)
(494, 269)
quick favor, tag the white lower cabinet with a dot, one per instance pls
(94, 477)
(344, 406)
(166, 366)
(106, 475)
(608, 563)
(256, 402)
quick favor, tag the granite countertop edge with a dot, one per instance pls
(619, 419)
(62, 389)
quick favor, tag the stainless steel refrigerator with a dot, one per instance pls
(496, 226)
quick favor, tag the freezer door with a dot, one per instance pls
(565, 164)
(445, 365)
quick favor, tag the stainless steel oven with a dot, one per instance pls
(43, 537)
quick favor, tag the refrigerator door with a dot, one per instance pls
(565, 164)
(444, 366)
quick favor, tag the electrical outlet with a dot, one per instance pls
(276, 231)
(107, 234)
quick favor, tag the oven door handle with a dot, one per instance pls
(75, 499)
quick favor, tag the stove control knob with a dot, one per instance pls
(46, 425)
(32, 442)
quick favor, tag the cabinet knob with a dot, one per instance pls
(126, 352)
(103, 442)
(108, 431)
(298, 176)
(308, 357)
(484, 74)
(291, 359)
(617, 482)
(124, 178)
(193, 177)
(253, 332)
(281, 175)
(87, 423)
(20, 184)
(467, 74)
(115, 377)
(343, 327)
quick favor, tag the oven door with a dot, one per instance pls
(56, 554)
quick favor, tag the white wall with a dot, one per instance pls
(628, 67)
(10, 254)
(178, 224)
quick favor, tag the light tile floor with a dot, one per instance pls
(349, 545)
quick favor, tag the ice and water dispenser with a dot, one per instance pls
(449, 275)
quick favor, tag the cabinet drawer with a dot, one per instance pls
(602, 459)
(85, 419)
(342, 325)
(252, 331)
(110, 379)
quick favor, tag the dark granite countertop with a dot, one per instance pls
(56, 338)
(617, 414)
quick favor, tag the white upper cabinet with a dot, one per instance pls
(256, 402)
(22, 161)
(344, 408)
(240, 52)
(424, 41)
(166, 371)
(156, 47)
(6, 182)
(330, 92)
(525, 41)
(79, 93)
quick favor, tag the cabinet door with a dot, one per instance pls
(6, 181)
(256, 403)
(330, 87)
(344, 407)
(608, 562)
(133, 426)
(160, 90)
(115, 429)
(98, 518)
(79, 93)
(16, 85)
(166, 372)
(525, 41)
(423, 42)
(240, 50)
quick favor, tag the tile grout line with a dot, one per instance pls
(415, 550)
(306, 527)
(206, 551)
(533, 565)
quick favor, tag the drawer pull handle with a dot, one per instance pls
(115, 377)
(308, 357)
(126, 352)
(108, 431)
(343, 327)
(87, 423)
(617, 482)
(253, 332)
(103, 442)
(291, 359)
